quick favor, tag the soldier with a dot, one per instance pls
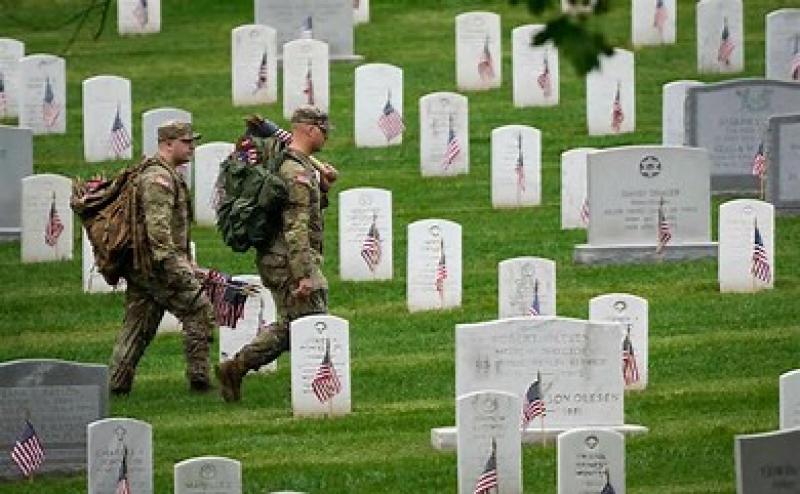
(291, 267)
(164, 210)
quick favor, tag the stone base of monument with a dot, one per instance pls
(631, 254)
(10, 234)
(446, 438)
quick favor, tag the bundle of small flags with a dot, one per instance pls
(227, 296)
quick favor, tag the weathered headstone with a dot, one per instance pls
(320, 366)
(153, 119)
(479, 60)
(207, 158)
(632, 312)
(783, 163)
(653, 22)
(43, 94)
(746, 246)
(730, 119)
(516, 166)
(360, 11)
(138, 16)
(365, 234)
(489, 446)
(46, 218)
(673, 98)
(591, 461)
(526, 287)
(574, 201)
(610, 95)
(330, 21)
(648, 203)
(11, 51)
(93, 281)
(535, 73)
(379, 105)
(254, 65)
(59, 399)
(259, 311)
(783, 45)
(305, 75)
(107, 130)
(444, 134)
(768, 463)
(16, 163)
(720, 36)
(789, 394)
(119, 448)
(434, 265)
(208, 475)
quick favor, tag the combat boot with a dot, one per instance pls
(230, 374)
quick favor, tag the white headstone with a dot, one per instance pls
(153, 119)
(720, 36)
(46, 218)
(320, 366)
(591, 461)
(112, 442)
(434, 265)
(43, 94)
(379, 105)
(16, 163)
(653, 22)
(489, 442)
(107, 129)
(672, 111)
(138, 16)
(610, 95)
(516, 166)
(789, 395)
(783, 45)
(535, 75)
(573, 7)
(207, 158)
(479, 59)
(208, 475)
(767, 463)
(574, 201)
(254, 65)
(746, 245)
(632, 312)
(365, 234)
(259, 311)
(526, 287)
(444, 134)
(93, 281)
(305, 75)
(11, 51)
(360, 11)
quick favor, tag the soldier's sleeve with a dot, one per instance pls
(157, 203)
(296, 219)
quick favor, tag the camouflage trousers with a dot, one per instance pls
(147, 298)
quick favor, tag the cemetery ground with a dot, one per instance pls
(714, 358)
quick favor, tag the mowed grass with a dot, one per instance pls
(714, 358)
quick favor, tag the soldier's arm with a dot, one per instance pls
(296, 220)
(158, 202)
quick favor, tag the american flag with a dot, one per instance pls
(390, 121)
(534, 309)
(50, 108)
(27, 452)
(308, 85)
(608, 488)
(3, 96)
(794, 66)
(617, 116)
(664, 232)
(485, 64)
(630, 370)
(453, 148)
(534, 404)
(759, 167)
(140, 12)
(585, 211)
(726, 45)
(306, 30)
(120, 138)
(660, 16)
(263, 73)
(441, 271)
(371, 246)
(54, 226)
(544, 81)
(123, 484)
(488, 478)
(519, 166)
(325, 383)
(760, 267)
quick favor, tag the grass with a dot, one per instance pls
(714, 358)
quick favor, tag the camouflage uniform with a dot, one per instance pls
(165, 211)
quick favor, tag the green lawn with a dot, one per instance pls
(714, 358)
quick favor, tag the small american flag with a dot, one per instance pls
(325, 383)
(664, 231)
(3, 96)
(54, 226)
(630, 370)
(544, 81)
(760, 267)
(27, 452)
(485, 64)
(390, 121)
(660, 16)
(534, 309)
(308, 85)
(759, 167)
(519, 166)
(534, 404)
(794, 65)
(453, 148)
(726, 45)
(50, 109)
(140, 12)
(263, 73)
(371, 246)
(441, 271)
(585, 211)
(123, 483)
(608, 488)
(617, 115)
(488, 478)
(120, 138)
(306, 29)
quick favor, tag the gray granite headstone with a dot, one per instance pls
(783, 163)
(208, 475)
(768, 463)
(112, 442)
(60, 399)
(16, 163)
(783, 45)
(729, 119)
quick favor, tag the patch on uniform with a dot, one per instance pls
(163, 181)
(302, 178)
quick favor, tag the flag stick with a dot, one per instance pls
(544, 437)
(330, 407)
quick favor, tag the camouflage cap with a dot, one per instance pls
(311, 115)
(174, 129)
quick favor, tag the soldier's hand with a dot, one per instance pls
(329, 172)
(304, 288)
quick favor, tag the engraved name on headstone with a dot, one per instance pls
(591, 461)
(208, 475)
(768, 463)
(119, 450)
